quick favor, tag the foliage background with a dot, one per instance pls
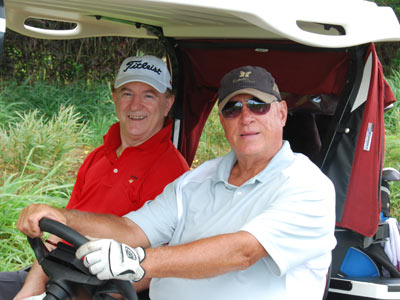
(65, 61)
(97, 59)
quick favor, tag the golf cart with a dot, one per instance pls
(322, 56)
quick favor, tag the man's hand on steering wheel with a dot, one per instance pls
(109, 259)
(67, 274)
(28, 220)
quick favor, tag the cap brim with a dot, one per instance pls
(267, 98)
(148, 80)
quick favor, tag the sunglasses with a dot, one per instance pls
(233, 109)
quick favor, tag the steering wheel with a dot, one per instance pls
(67, 274)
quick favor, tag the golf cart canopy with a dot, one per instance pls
(318, 23)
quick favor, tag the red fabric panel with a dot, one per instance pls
(296, 72)
(362, 210)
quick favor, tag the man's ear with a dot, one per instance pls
(283, 111)
(114, 97)
(170, 101)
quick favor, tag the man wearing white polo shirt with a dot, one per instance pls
(257, 223)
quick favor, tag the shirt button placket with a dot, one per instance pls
(237, 196)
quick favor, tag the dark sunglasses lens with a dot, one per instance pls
(258, 107)
(232, 109)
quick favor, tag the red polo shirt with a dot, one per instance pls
(107, 184)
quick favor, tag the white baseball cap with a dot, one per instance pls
(148, 69)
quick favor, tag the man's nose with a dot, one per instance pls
(246, 116)
(136, 103)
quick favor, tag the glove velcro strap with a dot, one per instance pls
(131, 258)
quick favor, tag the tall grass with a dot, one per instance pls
(392, 136)
(16, 192)
(45, 133)
(93, 102)
(38, 165)
(212, 142)
(33, 145)
(392, 117)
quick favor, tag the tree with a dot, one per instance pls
(389, 52)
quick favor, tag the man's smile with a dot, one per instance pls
(132, 117)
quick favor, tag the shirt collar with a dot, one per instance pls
(225, 166)
(281, 160)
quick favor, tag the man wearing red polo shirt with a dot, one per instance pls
(135, 163)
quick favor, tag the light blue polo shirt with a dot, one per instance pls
(289, 207)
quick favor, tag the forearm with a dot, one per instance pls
(106, 226)
(36, 280)
(36, 277)
(35, 283)
(88, 224)
(204, 258)
(95, 225)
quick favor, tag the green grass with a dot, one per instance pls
(38, 163)
(392, 142)
(212, 142)
(45, 133)
(37, 145)
(17, 192)
(392, 117)
(92, 102)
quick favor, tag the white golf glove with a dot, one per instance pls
(109, 259)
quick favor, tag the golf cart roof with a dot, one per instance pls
(320, 23)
